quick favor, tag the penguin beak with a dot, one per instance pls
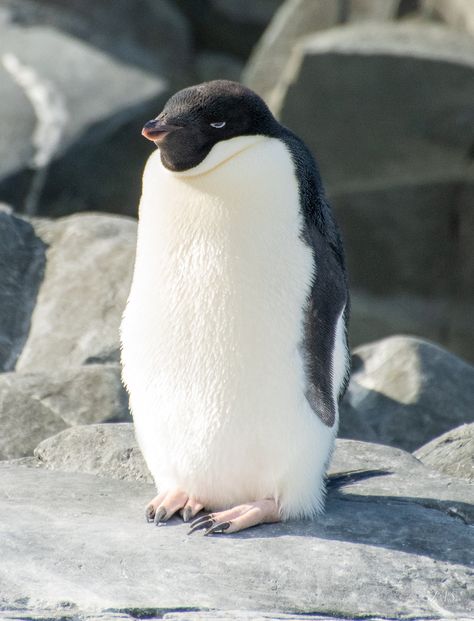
(157, 130)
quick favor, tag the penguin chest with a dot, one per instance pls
(215, 314)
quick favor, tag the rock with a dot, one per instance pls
(297, 18)
(105, 450)
(35, 406)
(228, 26)
(451, 453)
(81, 299)
(405, 209)
(432, 131)
(22, 258)
(88, 550)
(458, 14)
(373, 317)
(404, 392)
(294, 19)
(24, 419)
(70, 138)
(157, 39)
(215, 66)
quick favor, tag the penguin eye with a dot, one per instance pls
(218, 125)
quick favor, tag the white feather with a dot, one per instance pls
(211, 331)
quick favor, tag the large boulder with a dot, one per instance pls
(379, 551)
(22, 259)
(451, 453)
(105, 450)
(35, 406)
(87, 277)
(69, 130)
(404, 392)
(297, 18)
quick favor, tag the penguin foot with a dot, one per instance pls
(238, 518)
(166, 504)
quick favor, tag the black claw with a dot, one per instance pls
(149, 514)
(217, 528)
(203, 522)
(159, 515)
(187, 514)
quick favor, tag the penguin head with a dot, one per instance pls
(197, 118)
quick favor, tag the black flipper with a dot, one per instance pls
(329, 292)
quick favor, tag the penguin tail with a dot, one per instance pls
(340, 479)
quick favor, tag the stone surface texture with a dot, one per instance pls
(451, 453)
(108, 450)
(22, 259)
(458, 14)
(89, 265)
(69, 136)
(35, 406)
(379, 550)
(405, 391)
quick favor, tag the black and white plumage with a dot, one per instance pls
(234, 338)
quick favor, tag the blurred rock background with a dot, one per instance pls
(383, 93)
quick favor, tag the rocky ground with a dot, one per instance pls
(382, 92)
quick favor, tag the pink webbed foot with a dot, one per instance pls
(166, 504)
(238, 518)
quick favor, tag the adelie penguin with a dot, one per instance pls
(234, 338)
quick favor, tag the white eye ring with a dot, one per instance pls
(218, 125)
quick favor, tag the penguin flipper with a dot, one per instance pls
(325, 348)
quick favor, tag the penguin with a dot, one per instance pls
(234, 337)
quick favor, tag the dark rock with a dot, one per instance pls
(81, 299)
(215, 66)
(379, 551)
(153, 37)
(373, 317)
(297, 18)
(404, 392)
(35, 406)
(22, 259)
(228, 26)
(427, 134)
(105, 450)
(67, 134)
(451, 453)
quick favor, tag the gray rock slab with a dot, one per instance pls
(67, 128)
(410, 85)
(22, 259)
(35, 406)
(80, 302)
(108, 450)
(405, 391)
(451, 453)
(372, 554)
(293, 20)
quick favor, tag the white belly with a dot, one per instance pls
(211, 331)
